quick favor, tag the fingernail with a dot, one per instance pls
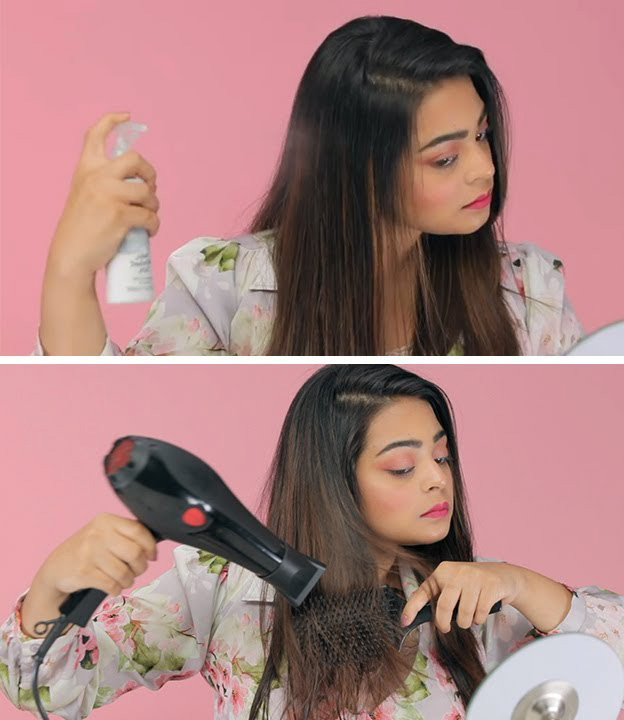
(404, 620)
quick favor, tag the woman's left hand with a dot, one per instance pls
(476, 585)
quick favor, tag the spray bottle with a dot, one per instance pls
(129, 272)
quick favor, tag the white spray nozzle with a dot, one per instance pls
(126, 134)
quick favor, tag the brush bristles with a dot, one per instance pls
(353, 629)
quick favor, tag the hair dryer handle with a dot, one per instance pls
(80, 605)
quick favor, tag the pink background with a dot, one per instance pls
(539, 444)
(215, 84)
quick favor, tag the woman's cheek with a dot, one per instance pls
(441, 196)
(434, 199)
(393, 500)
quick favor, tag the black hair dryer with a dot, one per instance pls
(179, 497)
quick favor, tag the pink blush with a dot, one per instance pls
(392, 501)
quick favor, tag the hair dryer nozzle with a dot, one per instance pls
(296, 575)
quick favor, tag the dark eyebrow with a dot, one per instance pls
(410, 443)
(459, 135)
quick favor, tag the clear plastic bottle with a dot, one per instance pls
(129, 272)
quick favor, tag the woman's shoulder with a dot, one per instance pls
(538, 298)
(533, 271)
(224, 251)
(240, 582)
(534, 256)
(243, 261)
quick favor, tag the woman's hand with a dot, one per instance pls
(108, 554)
(101, 206)
(476, 585)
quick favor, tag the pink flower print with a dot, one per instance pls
(144, 334)
(130, 685)
(217, 645)
(256, 312)
(223, 574)
(236, 651)
(164, 347)
(87, 644)
(113, 620)
(607, 617)
(214, 673)
(193, 325)
(220, 700)
(165, 677)
(226, 674)
(385, 711)
(158, 624)
(503, 626)
(445, 682)
(113, 614)
(512, 274)
(521, 643)
(147, 613)
(238, 695)
(605, 610)
(454, 713)
(245, 619)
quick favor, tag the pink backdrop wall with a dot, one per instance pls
(215, 83)
(540, 445)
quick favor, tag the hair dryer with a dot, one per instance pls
(179, 497)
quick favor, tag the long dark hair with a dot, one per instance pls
(311, 500)
(336, 203)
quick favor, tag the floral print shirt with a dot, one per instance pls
(220, 296)
(202, 616)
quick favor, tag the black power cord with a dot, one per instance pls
(58, 626)
(75, 610)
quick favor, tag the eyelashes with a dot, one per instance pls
(439, 163)
(406, 471)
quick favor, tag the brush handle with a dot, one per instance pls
(426, 614)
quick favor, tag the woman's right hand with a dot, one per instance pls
(108, 554)
(102, 207)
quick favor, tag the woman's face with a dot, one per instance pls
(403, 471)
(452, 173)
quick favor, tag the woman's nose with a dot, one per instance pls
(435, 477)
(482, 168)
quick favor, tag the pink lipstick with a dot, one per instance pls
(437, 511)
(480, 202)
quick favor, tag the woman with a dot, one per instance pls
(364, 451)
(364, 243)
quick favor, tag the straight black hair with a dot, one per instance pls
(337, 202)
(311, 500)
